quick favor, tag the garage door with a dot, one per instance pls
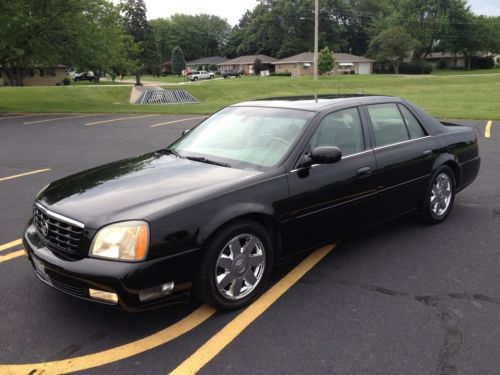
(364, 68)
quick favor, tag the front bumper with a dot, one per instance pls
(75, 277)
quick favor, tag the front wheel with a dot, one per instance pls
(235, 267)
(439, 197)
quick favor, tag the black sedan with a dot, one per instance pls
(250, 187)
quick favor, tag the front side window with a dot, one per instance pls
(342, 129)
(245, 137)
(388, 125)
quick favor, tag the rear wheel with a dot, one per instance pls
(235, 267)
(440, 195)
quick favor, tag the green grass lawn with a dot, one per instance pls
(466, 97)
(448, 72)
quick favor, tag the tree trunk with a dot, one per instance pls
(97, 76)
(15, 76)
(396, 67)
(138, 78)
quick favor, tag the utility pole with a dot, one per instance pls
(316, 21)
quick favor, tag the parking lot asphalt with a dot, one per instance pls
(400, 298)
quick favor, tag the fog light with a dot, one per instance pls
(156, 291)
(100, 295)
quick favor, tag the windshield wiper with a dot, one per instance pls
(202, 159)
(172, 151)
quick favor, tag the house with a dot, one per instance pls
(302, 64)
(48, 76)
(245, 63)
(450, 60)
(204, 63)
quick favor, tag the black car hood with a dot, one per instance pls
(135, 188)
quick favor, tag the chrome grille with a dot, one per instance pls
(55, 232)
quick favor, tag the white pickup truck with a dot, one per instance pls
(200, 74)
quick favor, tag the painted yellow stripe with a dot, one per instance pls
(10, 244)
(24, 174)
(176, 121)
(218, 342)
(112, 355)
(117, 119)
(487, 130)
(15, 254)
(56, 119)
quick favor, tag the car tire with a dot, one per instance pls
(230, 277)
(195, 79)
(439, 196)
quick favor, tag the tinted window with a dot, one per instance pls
(388, 124)
(412, 123)
(341, 129)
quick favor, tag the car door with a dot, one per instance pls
(404, 152)
(329, 200)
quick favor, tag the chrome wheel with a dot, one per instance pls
(240, 266)
(441, 194)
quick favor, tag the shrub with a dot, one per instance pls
(67, 81)
(442, 64)
(414, 67)
(482, 62)
(281, 74)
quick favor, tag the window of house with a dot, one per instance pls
(28, 72)
(49, 72)
(342, 129)
(388, 124)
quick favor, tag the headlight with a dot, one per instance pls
(127, 240)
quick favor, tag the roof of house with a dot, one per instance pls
(207, 60)
(309, 57)
(250, 59)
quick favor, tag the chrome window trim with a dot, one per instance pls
(400, 143)
(60, 217)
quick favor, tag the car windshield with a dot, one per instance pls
(244, 137)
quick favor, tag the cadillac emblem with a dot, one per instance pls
(44, 228)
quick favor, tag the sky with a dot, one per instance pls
(232, 10)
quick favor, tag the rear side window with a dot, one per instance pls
(342, 129)
(412, 123)
(388, 124)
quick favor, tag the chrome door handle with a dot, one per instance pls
(365, 171)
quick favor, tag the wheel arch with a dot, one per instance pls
(450, 161)
(261, 217)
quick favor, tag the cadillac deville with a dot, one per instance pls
(250, 187)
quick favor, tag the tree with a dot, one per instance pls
(178, 61)
(393, 44)
(138, 27)
(37, 34)
(326, 61)
(257, 66)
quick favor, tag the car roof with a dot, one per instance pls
(316, 103)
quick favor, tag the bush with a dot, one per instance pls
(441, 64)
(415, 67)
(280, 74)
(67, 81)
(482, 62)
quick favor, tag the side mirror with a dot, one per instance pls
(323, 155)
(326, 155)
(185, 131)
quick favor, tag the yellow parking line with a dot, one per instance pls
(175, 121)
(10, 244)
(112, 355)
(218, 342)
(24, 174)
(15, 254)
(117, 119)
(56, 119)
(487, 130)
